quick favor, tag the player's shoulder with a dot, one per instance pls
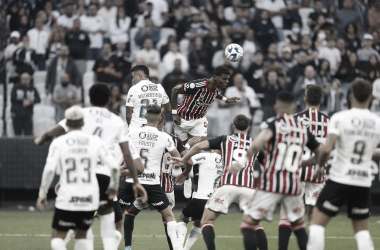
(271, 120)
(195, 84)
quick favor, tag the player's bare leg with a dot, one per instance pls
(309, 211)
(362, 235)
(284, 231)
(253, 234)
(129, 222)
(317, 230)
(172, 227)
(207, 222)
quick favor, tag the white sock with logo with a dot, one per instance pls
(81, 244)
(90, 239)
(118, 238)
(194, 234)
(316, 238)
(57, 244)
(364, 240)
(172, 232)
(68, 237)
(107, 231)
(182, 230)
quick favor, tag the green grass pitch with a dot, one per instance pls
(31, 230)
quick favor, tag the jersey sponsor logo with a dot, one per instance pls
(157, 204)
(153, 88)
(315, 194)
(87, 222)
(370, 124)
(330, 206)
(358, 173)
(82, 141)
(297, 210)
(200, 158)
(147, 176)
(356, 210)
(144, 88)
(75, 199)
(262, 211)
(356, 122)
(66, 223)
(219, 201)
(124, 203)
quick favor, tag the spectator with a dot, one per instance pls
(105, 70)
(119, 28)
(293, 40)
(16, 9)
(38, 41)
(217, 15)
(183, 8)
(331, 16)
(55, 44)
(183, 24)
(335, 97)
(276, 10)
(8, 53)
(23, 98)
(149, 56)
(348, 71)
(299, 69)
(372, 68)
(66, 20)
(373, 16)
(265, 31)
(199, 59)
(248, 103)
(324, 72)
(238, 26)
(197, 26)
(148, 31)
(116, 100)
(313, 17)
(255, 73)
(49, 16)
(109, 13)
(24, 25)
(24, 58)
(219, 58)
(165, 48)
(249, 47)
(347, 15)
(65, 95)
(229, 12)
(78, 42)
(353, 42)
(271, 60)
(272, 87)
(160, 9)
(306, 46)
(367, 50)
(60, 65)
(302, 82)
(341, 46)
(331, 54)
(287, 61)
(148, 12)
(173, 55)
(95, 26)
(174, 77)
(122, 59)
(375, 41)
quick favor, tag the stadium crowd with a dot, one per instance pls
(288, 44)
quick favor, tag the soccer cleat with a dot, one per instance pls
(187, 190)
(128, 248)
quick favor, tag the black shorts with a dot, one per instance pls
(64, 220)
(117, 210)
(156, 196)
(194, 209)
(104, 182)
(334, 195)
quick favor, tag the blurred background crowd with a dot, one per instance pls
(51, 52)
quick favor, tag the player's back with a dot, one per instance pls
(358, 133)
(140, 96)
(78, 156)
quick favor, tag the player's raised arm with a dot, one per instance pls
(175, 91)
(227, 100)
(193, 151)
(128, 115)
(49, 135)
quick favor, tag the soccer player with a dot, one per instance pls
(285, 138)
(355, 133)
(76, 155)
(210, 169)
(239, 188)
(143, 93)
(99, 121)
(317, 123)
(151, 144)
(190, 115)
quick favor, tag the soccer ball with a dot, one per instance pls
(233, 52)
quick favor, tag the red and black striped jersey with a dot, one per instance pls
(166, 176)
(317, 123)
(198, 98)
(232, 147)
(283, 153)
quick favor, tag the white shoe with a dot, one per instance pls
(187, 190)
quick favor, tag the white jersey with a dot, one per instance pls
(116, 152)
(151, 143)
(210, 172)
(76, 155)
(140, 96)
(104, 124)
(359, 135)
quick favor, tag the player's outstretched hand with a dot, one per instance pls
(37, 141)
(56, 188)
(177, 119)
(111, 193)
(180, 180)
(177, 161)
(234, 168)
(233, 99)
(194, 140)
(41, 202)
(140, 191)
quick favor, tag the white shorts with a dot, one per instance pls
(224, 196)
(141, 205)
(262, 205)
(312, 191)
(197, 127)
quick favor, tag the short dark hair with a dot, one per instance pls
(100, 94)
(361, 89)
(314, 94)
(241, 122)
(285, 97)
(153, 109)
(142, 68)
(75, 123)
(220, 70)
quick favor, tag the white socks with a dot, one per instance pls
(194, 234)
(172, 232)
(364, 240)
(118, 238)
(57, 244)
(68, 236)
(90, 239)
(182, 230)
(82, 244)
(107, 231)
(316, 238)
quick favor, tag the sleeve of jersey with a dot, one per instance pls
(170, 144)
(269, 125)
(333, 125)
(216, 142)
(49, 169)
(180, 146)
(110, 161)
(312, 143)
(189, 88)
(129, 102)
(62, 123)
(165, 97)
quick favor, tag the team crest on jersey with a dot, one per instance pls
(218, 160)
(356, 122)
(142, 135)
(233, 138)
(144, 88)
(70, 141)
(283, 128)
(305, 121)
